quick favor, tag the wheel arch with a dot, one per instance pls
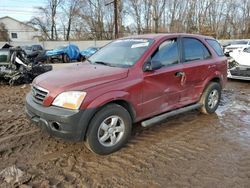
(125, 104)
(122, 102)
(215, 79)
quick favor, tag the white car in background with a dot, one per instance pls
(240, 64)
(236, 45)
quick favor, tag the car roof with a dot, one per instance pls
(161, 35)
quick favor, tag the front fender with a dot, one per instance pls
(109, 97)
(96, 104)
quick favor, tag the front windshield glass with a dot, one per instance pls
(121, 53)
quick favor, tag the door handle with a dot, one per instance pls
(179, 74)
(183, 77)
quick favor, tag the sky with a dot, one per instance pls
(22, 10)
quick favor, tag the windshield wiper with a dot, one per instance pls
(103, 63)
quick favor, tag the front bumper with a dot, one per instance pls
(63, 123)
(239, 73)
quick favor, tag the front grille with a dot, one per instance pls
(39, 94)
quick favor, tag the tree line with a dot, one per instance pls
(92, 19)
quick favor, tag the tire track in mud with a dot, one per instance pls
(190, 150)
(18, 135)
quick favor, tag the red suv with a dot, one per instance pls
(144, 79)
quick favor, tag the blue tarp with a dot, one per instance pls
(71, 50)
(89, 51)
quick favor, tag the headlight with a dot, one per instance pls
(69, 99)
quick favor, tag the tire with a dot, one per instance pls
(48, 60)
(66, 58)
(210, 98)
(82, 58)
(101, 134)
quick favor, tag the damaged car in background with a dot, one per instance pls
(65, 54)
(17, 68)
(35, 53)
(236, 45)
(88, 52)
(33, 48)
(239, 64)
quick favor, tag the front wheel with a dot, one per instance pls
(211, 98)
(109, 130)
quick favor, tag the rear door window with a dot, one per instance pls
(216, 46)
(194, 49)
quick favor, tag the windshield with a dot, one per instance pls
(121, 53)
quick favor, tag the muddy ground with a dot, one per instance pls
(189, 150)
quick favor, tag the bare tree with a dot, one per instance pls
(137, 14)
(4, 36)
(47, 22)
(42, 25)
(53, 6)
(91, 19)
(158, 8)
(71, 10)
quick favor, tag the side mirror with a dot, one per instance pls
(151, 65)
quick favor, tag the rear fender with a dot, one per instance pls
(216, 76)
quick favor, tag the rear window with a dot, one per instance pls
(216, 46)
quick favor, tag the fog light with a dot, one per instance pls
(55, 126)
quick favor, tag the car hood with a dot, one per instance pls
(241, 58)
(79, 77)
(237, 46)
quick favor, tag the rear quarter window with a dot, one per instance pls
(216, 46)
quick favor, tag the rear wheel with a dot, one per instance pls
(66, 58)
(211, 98)
(109, 130)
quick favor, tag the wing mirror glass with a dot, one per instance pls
(151, 65)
